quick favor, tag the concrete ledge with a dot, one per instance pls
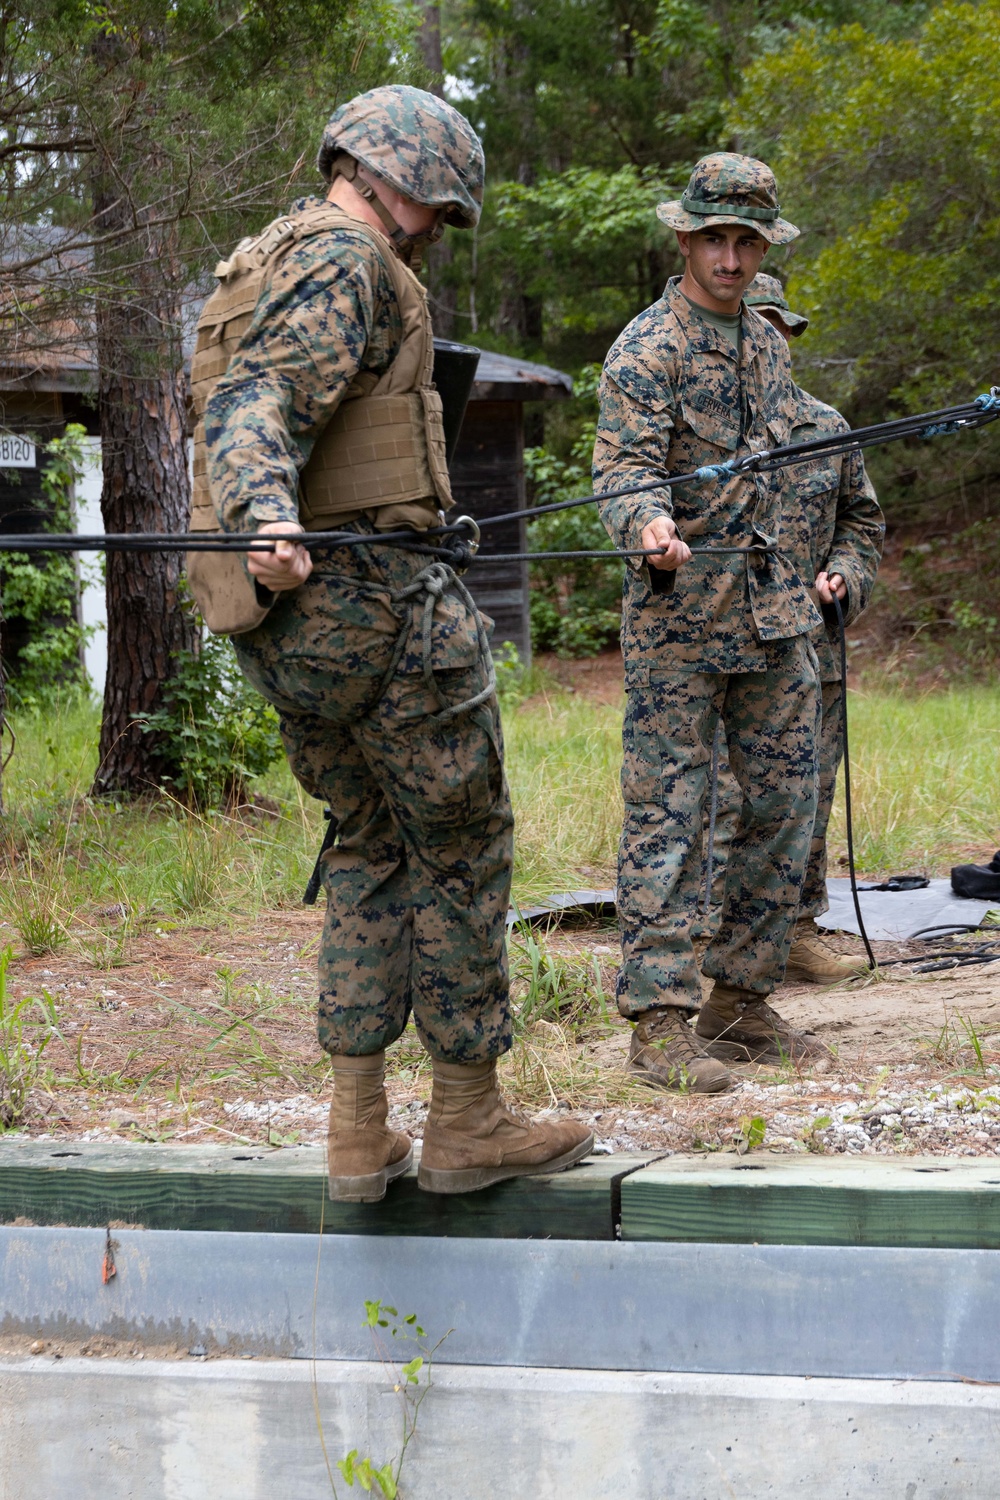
(232, 1430)
(736, 1309)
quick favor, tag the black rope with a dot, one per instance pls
(316, 878)
(211, 541)
(849, 816)
(985, 408)
(949, 419)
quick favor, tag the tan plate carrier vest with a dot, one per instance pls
(381, 454)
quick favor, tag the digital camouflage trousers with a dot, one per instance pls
(418, 879)
(772, 720)
(729, 799)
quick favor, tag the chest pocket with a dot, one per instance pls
(710, 422)
(815, 487)
(710, 403)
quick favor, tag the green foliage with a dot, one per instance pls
(30, 902)
(587, 241)
(233, 102)
(576, 604)
(379, 1315)
(26, 1029)
(510, 674)
(888, 154)
(364, 1471)
(750, 1134)
(216, 730)
(591, 111)
(40, 593)
(947, 597)
(554, 987)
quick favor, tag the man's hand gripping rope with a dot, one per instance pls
(283, 565)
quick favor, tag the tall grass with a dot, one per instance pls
(926, 789)
(69, 859)
(925, 777)
(563, 761)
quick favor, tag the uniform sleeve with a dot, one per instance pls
(307, 342)
(858, 536)
(633, 441)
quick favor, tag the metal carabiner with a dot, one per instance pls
(473, 542)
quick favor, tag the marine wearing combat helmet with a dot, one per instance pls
(325, 408)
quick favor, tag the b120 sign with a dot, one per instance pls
(16, 452)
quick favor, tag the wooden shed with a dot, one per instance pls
(487, 478)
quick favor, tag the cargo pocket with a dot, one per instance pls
(451, 773)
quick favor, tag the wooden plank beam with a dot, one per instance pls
(786, 1200)
(284, 1191)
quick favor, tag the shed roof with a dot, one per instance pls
(499, 377)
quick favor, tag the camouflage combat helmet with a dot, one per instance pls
(766, 293)
(416, 143)
(730, 189)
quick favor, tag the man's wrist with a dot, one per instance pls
(265, 512)
(644, 515)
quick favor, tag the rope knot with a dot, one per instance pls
(715, 471)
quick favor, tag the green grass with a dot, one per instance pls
(925, 782)
(563, 760)
(926, 793)
(76, 862)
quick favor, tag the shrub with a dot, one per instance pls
(216, 730)
(41, 592)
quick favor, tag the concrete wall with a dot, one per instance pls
(231, 1430)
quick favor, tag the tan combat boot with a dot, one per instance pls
(472, 1138)
(665, 1053)
(362, 1153)
(812, 960)
(740, 1026)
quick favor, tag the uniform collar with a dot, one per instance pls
(703, 337)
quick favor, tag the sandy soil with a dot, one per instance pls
(207, 1035)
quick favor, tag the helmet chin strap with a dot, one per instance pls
(409, 247)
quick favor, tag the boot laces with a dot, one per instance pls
(760, 1010)
(513, 1111)
(674, 1032)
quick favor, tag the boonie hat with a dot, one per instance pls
(726, 188)
(767, 292)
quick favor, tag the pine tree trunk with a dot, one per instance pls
(142, 402)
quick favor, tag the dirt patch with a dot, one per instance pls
(601, 679)
(208, 1035)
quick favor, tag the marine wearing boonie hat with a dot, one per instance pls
(726, 188)
(766, 294)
